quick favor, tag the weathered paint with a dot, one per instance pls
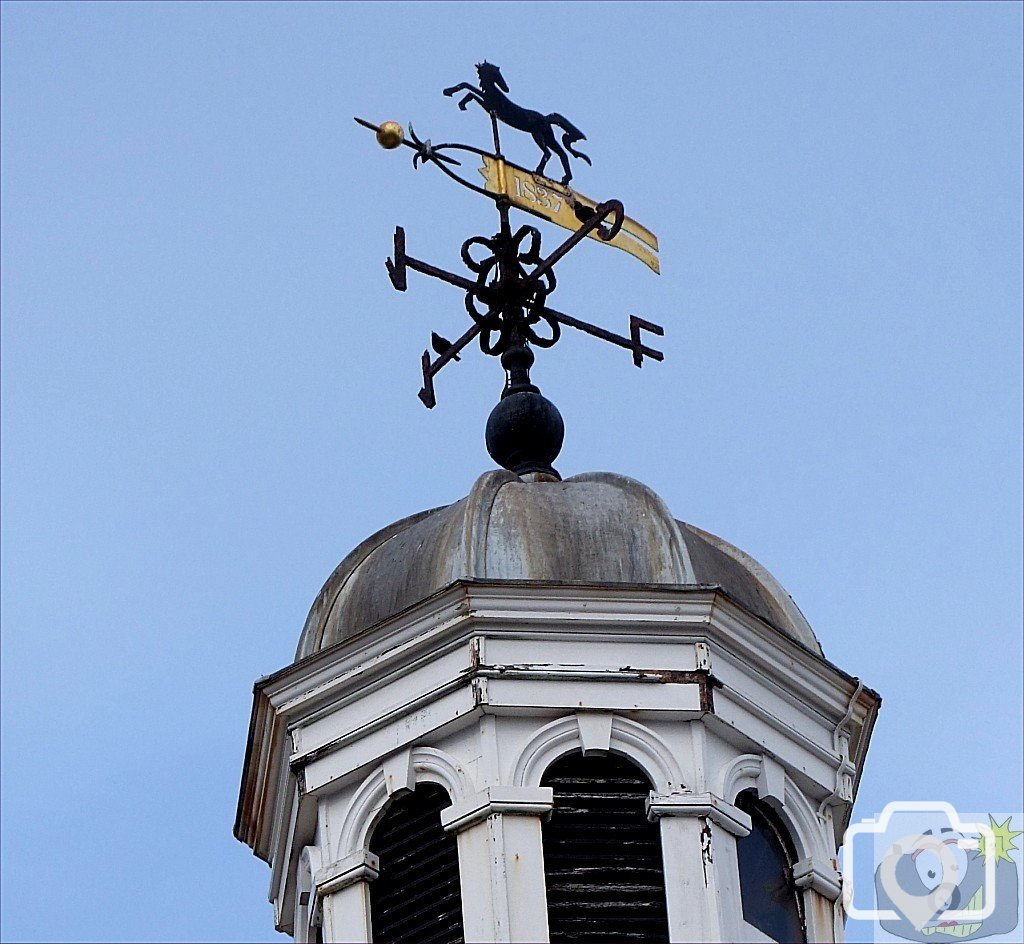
(591, 528)
(474, 645)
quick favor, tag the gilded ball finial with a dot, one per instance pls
(390, 135)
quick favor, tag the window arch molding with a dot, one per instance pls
(574, 733)
(775, 788)
(305, 895)
(417, 892)
(426, 764)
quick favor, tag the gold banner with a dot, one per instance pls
(564, 206)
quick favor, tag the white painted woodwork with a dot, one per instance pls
(346, 914)
(482, 686)
(501, 862)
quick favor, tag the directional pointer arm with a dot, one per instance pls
(632, 343)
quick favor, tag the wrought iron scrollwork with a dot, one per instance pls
(507, 295)
(514, 302)
(507, 300)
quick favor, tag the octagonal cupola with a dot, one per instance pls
(550, 710)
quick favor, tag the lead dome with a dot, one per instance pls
(595, 528)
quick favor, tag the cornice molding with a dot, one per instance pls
(614, 611)
(506, 800)
(820, 875)
(522, 610)
(729, 817)
(358, 867)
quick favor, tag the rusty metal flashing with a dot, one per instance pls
(247, 829)
(308, 757)
(498, 583)
(245, 792)
(702, 678)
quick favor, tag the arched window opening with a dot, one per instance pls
(417, 896)
(304, 932)
(602, 856)
(771, 901)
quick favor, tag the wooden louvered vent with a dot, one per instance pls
(602, 856)
(416, 897)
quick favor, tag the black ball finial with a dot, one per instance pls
(525, 433)
(525, 430)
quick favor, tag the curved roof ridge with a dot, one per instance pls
(592, 528)
(318, 617)
(479, 504)
(678, 544)
(779, 595)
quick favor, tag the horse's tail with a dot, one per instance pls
(572, 133)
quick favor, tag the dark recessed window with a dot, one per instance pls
(771, 902)
(602, 856)
(416, 897)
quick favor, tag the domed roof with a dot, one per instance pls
(592, 528)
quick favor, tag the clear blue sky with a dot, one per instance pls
(209, 386)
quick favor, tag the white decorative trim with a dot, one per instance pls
(820, 876)
(309, 863)
(362, 812)
(360, 866)
(716, 809)
(306, 902)
(628, 738)
(553, 740)
(428, 764)
(646, 749)
(595, 731)
(769, 778)
(435, 766)
(740, 774)
(809, 833)
(702, 656)
(512, 801)
(399, 775)
(772, 780)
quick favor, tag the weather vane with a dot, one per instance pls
(507, 295)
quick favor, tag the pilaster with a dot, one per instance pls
(343, 892)
(501, 861)
(694, 896)
(822, 887)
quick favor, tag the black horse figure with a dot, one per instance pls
(489, 96)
